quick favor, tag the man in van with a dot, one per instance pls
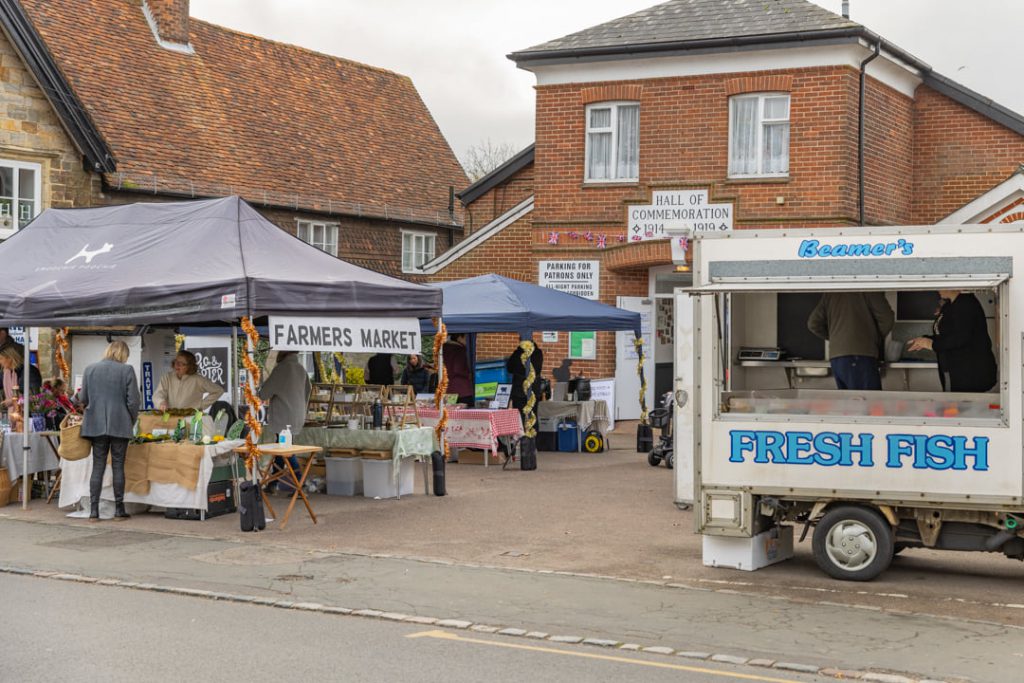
(854, 324)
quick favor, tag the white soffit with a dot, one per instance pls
(990, 203)
(886, 69)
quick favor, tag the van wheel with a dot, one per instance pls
(852, 543)
(653, 460)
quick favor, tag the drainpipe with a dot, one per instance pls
(860, 132)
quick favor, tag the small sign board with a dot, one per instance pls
(359, 335)
(582, 278)
(502, 395)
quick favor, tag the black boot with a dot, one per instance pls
(119, 511)
(94, 511)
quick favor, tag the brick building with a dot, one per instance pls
(781, 113)
(112, 101)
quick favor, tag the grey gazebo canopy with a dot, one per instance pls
(200, 261)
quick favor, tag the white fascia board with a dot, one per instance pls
(989, 203)
(479, 237)
(886, 69)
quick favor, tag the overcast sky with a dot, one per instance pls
(454, 50)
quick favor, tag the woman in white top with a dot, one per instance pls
(184, 387)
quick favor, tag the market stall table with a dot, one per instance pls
(587, 414)
(287, 473)
(412, 442)
(476, 427)
(170, 475)
(42, 455)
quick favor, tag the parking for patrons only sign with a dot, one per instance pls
(582, 278)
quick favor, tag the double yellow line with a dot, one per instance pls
(447, 635)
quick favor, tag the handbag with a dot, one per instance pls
(73, 446)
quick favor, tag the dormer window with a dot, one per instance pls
(613, 142)
(759, 135)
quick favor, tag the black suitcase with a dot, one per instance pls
(250, 507)
(527, 453)
(220, 500)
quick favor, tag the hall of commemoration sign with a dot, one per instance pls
(678, 211)
(582, 278)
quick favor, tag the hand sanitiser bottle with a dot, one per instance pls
(284, 438)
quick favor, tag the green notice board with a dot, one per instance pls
(583, 345)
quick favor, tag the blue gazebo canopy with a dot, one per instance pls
(492, 303)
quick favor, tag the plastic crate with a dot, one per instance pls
(344, 476)
(377, 481)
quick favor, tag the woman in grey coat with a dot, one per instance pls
(110, 394)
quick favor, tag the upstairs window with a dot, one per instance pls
(417, 249)
(613, 142)
(19, 195)
(759, 135)
(323, 236)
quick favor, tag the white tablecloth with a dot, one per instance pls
(40, 459)
(74, 483)
(587, 413)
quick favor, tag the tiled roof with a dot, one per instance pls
(693, 20)
(275, 123)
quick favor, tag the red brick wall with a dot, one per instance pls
(498, 200)
(888, 155)
(958, 155)
(684, 140)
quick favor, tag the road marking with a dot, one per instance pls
(447, 635)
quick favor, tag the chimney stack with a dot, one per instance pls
(846, 9)
(169, 19)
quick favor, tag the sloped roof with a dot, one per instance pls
(245, 115)
(693, 20)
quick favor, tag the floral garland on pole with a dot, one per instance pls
(251, 399)
(531, 398)
(638, 343)
(61, 344)
(442, 384)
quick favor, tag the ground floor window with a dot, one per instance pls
(20, 194)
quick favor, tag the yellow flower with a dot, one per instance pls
(218, 438)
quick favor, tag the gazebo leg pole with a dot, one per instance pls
(26, 415)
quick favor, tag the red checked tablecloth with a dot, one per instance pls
(476, 427)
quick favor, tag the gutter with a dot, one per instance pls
(30, 47)
(860, 131)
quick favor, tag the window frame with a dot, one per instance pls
(760, 125)
(16, 166)
(613, 128)
(328, 229)
(413, 236)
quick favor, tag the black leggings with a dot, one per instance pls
(118, 448)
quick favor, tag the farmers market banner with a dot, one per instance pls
(361, 335)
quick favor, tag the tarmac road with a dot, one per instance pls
(609, 514)
(80, 632)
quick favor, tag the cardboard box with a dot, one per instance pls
(474, 457)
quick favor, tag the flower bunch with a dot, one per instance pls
(44, 403)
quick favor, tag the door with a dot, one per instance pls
(627, 383)
(682, 427)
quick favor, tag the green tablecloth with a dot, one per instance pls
(417, 442)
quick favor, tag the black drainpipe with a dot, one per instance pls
(860, 132)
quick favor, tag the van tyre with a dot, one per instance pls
(853, 543)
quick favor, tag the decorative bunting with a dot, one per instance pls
(602, 241)
(573, 235)
(552, 238)
(588, 236)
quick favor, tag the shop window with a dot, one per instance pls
(613, 142)
(19, 195)
(759, 135)
(417, 249)
(323, 236)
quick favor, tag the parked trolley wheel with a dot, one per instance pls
(853, 543)
(653, 459)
